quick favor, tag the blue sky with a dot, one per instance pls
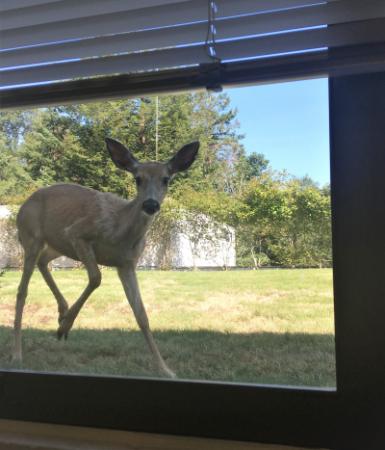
(288, 123)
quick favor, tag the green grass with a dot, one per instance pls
(268, 326)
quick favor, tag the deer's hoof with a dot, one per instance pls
(64, 328)
(61, 334)
(168, 373)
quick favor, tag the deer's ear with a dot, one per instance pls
(121, 156)
(184, 158)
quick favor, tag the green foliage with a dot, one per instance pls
(60, 149)
(15, 180)
(279, 220)
(288, 221)
(218, 205)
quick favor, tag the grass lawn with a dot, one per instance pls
(267, 326)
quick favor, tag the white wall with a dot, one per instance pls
(202, 244)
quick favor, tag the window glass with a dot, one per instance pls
(236, 275)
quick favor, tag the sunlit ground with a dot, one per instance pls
(266, 326)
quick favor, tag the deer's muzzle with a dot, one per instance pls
(150, 206)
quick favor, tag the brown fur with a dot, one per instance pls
(95, 228)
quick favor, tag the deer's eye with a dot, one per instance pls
(165, 180)
(138, 181)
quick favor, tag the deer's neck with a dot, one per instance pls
(134, 222)
(122, 222)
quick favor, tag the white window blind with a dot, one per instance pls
(45, 41)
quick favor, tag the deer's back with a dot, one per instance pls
(50, 211)
(54, 213)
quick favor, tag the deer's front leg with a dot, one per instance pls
(87, 257)
(128, 278)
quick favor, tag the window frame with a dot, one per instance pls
(348, 417)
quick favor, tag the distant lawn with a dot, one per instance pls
(267, 326)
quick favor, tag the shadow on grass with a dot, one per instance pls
(297, 359)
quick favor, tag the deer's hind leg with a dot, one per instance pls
(87, 257)
(32, 249)
(47, 255)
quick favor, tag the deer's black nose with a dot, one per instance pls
(150, 206)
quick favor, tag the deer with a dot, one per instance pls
(95, 228)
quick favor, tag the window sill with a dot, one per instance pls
(15, 435)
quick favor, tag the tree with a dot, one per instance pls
(14, 179)
(13, 127)
(255, 165)
(287, 223)
(279, 219)
(310, 228)
(67, 143)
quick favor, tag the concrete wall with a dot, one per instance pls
(191, 241)
(194, 242)
(11, 253)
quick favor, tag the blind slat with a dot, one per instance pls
(6, 5)
(42, 14)
(46, 41)
(228, 28)
(114, 23)
(88, 25)
(338, 35)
